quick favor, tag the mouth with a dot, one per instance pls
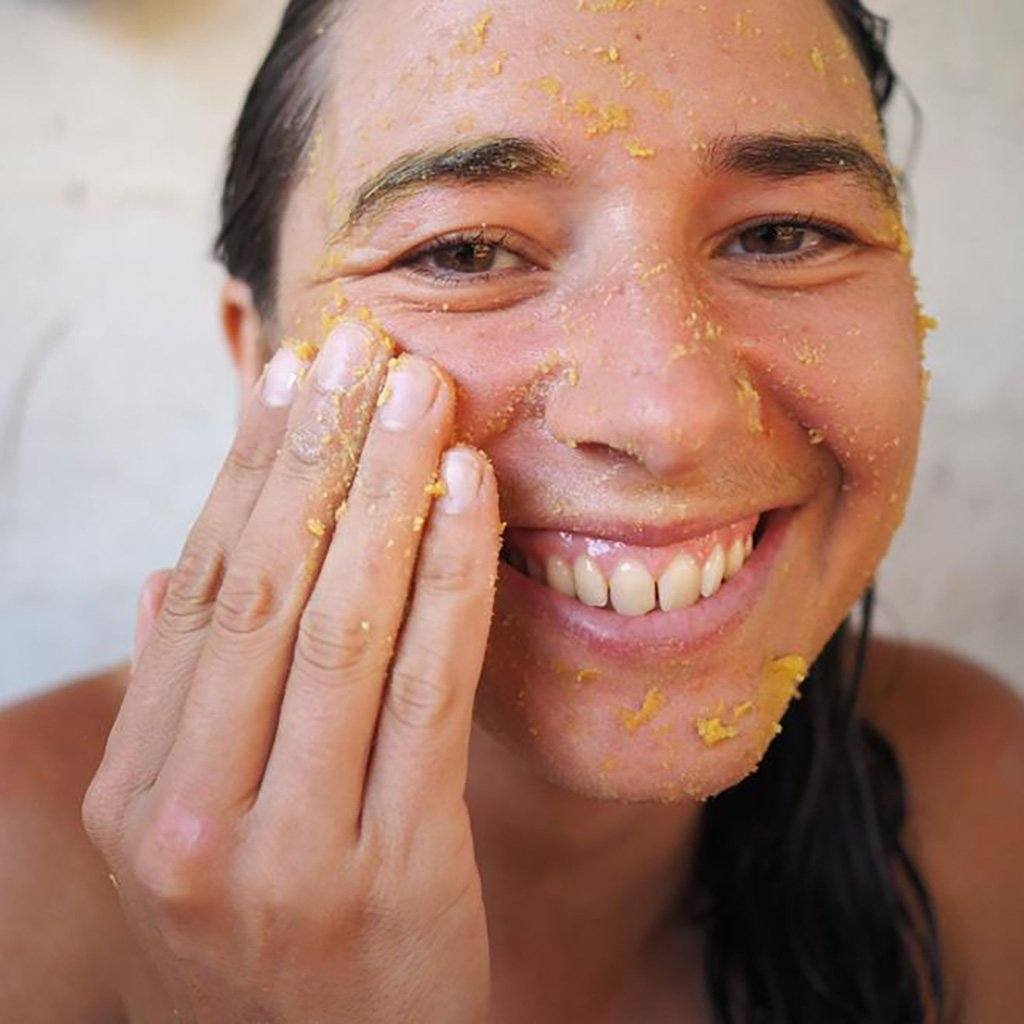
(621, 597)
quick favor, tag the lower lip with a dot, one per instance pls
(688, 629)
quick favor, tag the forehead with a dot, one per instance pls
(587, 73)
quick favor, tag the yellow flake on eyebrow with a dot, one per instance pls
(636, 148)
(654, 701)
(817, 59)
(316, 527)
(815, 435)
(713, 732)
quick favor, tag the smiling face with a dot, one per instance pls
(654, 245)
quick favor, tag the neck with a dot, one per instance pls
(581, 894)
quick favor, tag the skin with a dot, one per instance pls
(645, 433)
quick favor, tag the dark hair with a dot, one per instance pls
(814, 912)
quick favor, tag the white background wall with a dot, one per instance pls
(116, 401)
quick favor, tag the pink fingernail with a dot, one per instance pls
(409, 392)
(281, 378)
(345, 353)
(460, 471)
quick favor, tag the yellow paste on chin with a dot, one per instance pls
(654, 701)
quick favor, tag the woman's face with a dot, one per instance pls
(664, 329)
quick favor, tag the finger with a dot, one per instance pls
(148, 718)
(347, 633)
(151, 598)
(230, 714)
(420, 755)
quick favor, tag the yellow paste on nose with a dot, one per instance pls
(654, 701)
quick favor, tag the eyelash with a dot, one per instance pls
(454, 240)
(827, 229)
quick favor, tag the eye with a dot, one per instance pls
(464, 257)
(785, 240)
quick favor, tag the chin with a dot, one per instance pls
(681, 706)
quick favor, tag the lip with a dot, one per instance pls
(607, 633)
(641, 534)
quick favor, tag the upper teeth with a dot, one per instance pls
(632, 590)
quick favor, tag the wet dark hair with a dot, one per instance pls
(813, 910)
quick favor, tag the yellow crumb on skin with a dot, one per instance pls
(316, 527)
(364, 626)
(746, 394)
(925, 325)
(385, 395)
(815, 435)
(305, 350)
(742, 709)
(496, 67)
(817, 59)
(339, 512)
(417, 524)
(713, 732)
(608, 764)
(551, 85)
(436, 489)
(636, 148)
(605, 6)
(658, 268)
(610, 117)
(654, 701)
(586, 674)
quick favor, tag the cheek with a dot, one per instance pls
(845, 363)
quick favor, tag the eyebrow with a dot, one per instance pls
(777, 157)
(476, 162)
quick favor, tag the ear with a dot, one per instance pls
(243, 331)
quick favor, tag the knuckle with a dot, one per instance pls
(194, 585)
(328, 646)
(377, 485)
(453, 571)
(246, 601)
(249, 456)
(172, 857)
(419, 693)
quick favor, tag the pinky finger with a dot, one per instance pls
(151, 600)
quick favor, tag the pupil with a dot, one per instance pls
(468, 257)
(773, 238)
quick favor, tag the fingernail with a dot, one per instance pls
(409, 392)
(281, 378)
(344, 354)
(460, 471)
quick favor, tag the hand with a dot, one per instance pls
(281, 798)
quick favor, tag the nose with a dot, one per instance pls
(653, 381)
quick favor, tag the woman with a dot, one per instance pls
(395, 748)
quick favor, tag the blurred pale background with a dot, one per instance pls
(116, 400)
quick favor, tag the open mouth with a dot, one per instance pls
(633, 580)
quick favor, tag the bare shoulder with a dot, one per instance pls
(61, 922)
(959, 733)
